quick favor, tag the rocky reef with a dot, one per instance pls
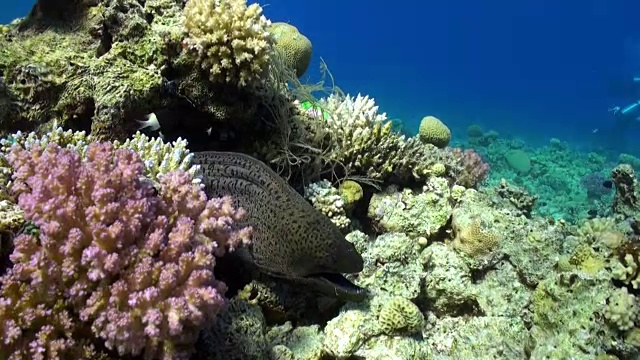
(110, 248)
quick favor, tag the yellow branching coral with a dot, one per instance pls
(231, 40)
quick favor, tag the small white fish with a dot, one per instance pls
(595, 130)
(150, 122)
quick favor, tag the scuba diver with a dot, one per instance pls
(627, 117)
(631, 111)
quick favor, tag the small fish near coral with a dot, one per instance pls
(291, 239)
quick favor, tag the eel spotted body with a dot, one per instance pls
(291, 239)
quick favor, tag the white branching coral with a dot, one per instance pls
(159, 157)
(230, 39)
(76, 140)
(326, 198)
(363, 142)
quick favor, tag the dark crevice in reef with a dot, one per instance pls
(148, 17)
(82, 117)
(106, 42)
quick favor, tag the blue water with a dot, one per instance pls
(532, 69)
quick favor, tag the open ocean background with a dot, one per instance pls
(531, 69)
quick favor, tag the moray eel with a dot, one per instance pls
(291, 239)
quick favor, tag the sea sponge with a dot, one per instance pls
(601, 231)
(433, 131)
(230, 39)
(438, 169)
(295, 47)
(400, 315)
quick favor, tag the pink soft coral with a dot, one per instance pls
(114, 260)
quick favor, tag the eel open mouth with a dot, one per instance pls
(336, 284)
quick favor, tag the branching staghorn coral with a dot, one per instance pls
(115, 260)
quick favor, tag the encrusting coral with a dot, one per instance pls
(115, 258)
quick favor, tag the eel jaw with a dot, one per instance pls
(336, 285)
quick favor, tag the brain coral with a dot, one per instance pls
(400, 315)
(433, 131)
(295, 46)
(230, 39)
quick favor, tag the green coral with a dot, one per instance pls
(295, 47)
(304, 342)
(53, 75)
(433, 131)
(565, 324)
(473, 237)
(160, 157)
(359, 330)
(392, 264)
(11, 217)
(326, 199)
(238, 333)
(124, 59)
(363, 143)
(351, 192)
(622, 309)
(400, 315)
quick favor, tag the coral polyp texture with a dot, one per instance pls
(231, 40)
(295, 47)
(364, 143)
(433, 131)
(115, 259)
